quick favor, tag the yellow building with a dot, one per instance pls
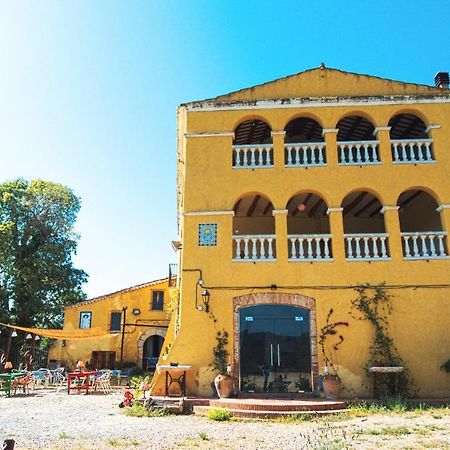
(136, 319)
(291, 192)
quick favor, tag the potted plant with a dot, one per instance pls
(223, 381)
(331, 381)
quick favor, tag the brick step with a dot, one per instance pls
(277, 405)
(264, 414)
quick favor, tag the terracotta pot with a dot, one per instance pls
(332, 386)
(224, 385)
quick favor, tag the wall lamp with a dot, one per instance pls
(14, 334)
(205, 296)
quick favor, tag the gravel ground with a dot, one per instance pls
(48, 419)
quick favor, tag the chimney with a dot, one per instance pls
(441, 80)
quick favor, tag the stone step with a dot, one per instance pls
(264, 414)
(278, 405)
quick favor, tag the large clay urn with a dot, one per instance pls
(224, 385)
(331, 386)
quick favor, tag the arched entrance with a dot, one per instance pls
(151, 350)
(146, 345)
(275, 343)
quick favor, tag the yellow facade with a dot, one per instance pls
(378, 203)
(144, 311)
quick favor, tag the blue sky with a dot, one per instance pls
(89, 90)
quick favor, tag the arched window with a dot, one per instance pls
(410, 142)
(356, 142)
(308, 227)
(420, 226)
(252, 145)
(254, 229)
(304, 143)
(364, 228)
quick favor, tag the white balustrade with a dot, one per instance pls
(306, 154)
(367, 247)
(424, 245)
(309, 247)
(412, 151)
(252, 156)
(358, 153)
(259, 247)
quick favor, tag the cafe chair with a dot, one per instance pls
(104, 382)
(24, 383)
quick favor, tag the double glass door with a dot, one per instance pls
(275, 349)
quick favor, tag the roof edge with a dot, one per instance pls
(321, 67)
(121, 291)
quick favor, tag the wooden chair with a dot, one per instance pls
(24, 383)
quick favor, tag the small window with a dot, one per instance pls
(85, 319)
(116, 318)
(158, 300)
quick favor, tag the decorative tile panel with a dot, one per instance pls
(207, 234)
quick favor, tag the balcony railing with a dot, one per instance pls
(367, 247)
(424, 245)
(307, 154)
(252, 156)
(358, 153)
(309, 247)
(412, 151)
(260, 247)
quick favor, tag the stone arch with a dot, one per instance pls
(272, 298)
(151, 331)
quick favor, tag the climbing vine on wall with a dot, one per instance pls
(373, 304)
(325, 334)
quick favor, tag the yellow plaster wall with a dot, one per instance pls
(133, 298)
(324, 82)
(207, 182)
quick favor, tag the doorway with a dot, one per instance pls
(151, 351)
(275, 349)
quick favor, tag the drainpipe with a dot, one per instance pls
(124, 310)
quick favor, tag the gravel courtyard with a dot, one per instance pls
(53, 420)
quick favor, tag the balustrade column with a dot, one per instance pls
(281, 234)
(330, 135)
(337, 232)
(384, 147)
(278, 148)
(444, 211)
(392, 224)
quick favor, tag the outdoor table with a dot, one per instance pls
(82, 379)
(9, 377)
(177, 375)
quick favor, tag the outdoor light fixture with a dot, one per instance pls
(28, 337)
(37, 338)
(205, 296)
(176, 245)
(14, 334)
(136, 311)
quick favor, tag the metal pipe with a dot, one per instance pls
(124, 310)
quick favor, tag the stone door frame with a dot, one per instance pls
(275, 298)
(151, 331)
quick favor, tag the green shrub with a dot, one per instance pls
(219, 414)
(139, 410)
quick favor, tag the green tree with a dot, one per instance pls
(37, 241)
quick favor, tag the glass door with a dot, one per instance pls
(275, 351)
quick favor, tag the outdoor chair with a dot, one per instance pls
(104, 382)
(24, 383)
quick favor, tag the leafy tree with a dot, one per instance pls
(37, 241)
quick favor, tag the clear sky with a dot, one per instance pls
(89, 90)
